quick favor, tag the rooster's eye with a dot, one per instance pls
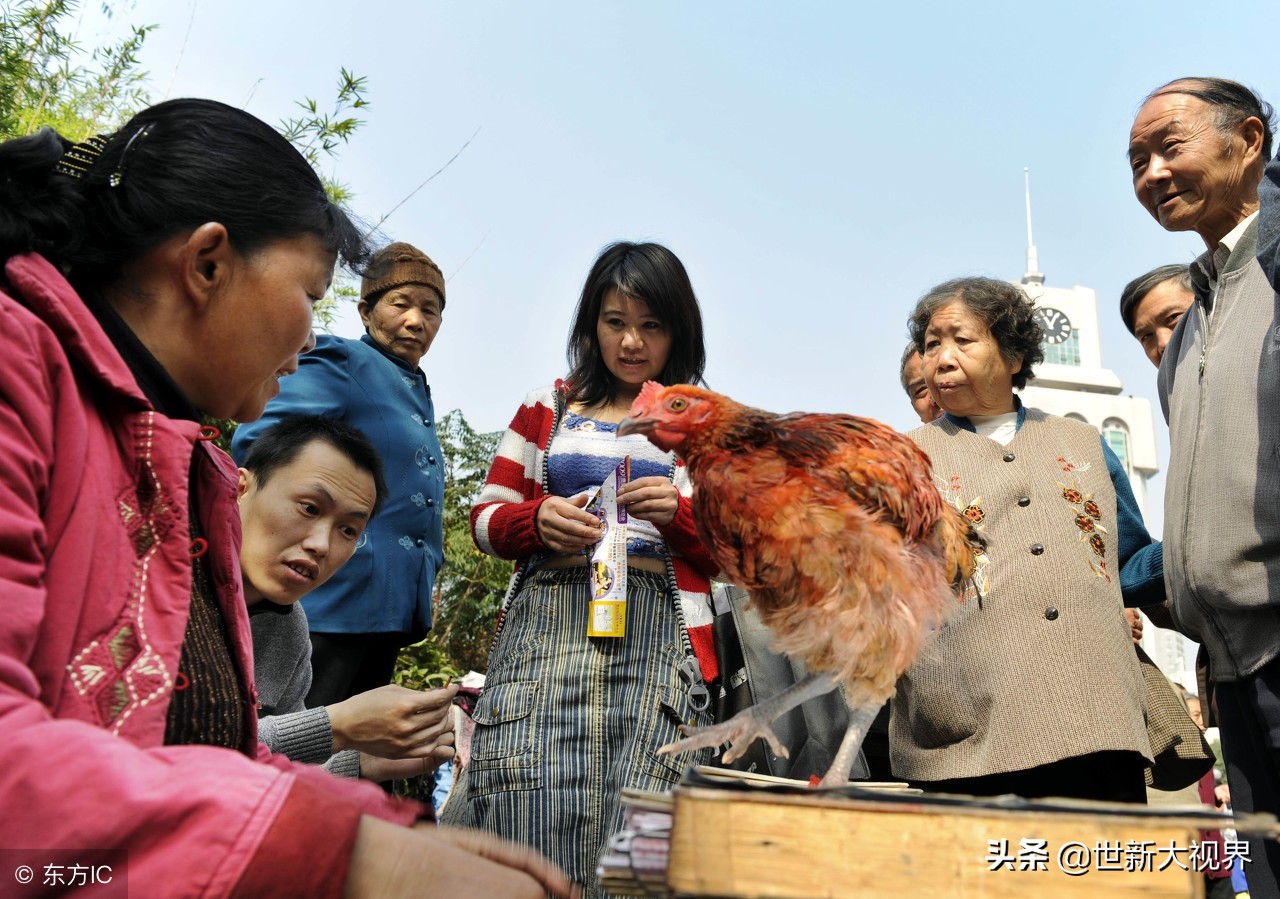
(678, 404)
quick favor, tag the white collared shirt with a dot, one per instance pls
(1221, 254)
(1001, 428)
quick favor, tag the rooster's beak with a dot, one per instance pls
(630, 425)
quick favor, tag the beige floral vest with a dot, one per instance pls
(1041, 666)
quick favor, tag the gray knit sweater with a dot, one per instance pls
(282, 669)
(1220, 391)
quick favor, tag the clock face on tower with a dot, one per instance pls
(1055, 324)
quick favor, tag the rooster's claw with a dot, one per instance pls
(738, 733)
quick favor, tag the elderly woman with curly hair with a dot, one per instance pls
(1032, 687)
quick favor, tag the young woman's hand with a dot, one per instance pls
(564, 528)
(652, 499)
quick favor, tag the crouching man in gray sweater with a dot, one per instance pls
(307, 490)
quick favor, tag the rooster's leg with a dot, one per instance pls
(859, 723)
(754, 722)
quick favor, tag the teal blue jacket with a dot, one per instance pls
(387, 585)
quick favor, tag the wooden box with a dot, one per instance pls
(748, 843)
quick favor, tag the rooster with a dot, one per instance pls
(834, 525)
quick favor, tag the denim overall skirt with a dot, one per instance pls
(567, 721)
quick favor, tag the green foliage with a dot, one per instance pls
(470, 587)
(319, 135)
(226, 427)
(316, 136)
(343, 290)
(424, 666)
(50, 79)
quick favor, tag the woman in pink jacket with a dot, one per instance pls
(152, 277)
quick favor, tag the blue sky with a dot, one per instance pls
(817, 166)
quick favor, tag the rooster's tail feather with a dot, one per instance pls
(961, 545)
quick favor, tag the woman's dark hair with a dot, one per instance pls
(1003, 307)
(642, 271)
(280, 444)
(171, 168)
(1136, 290)
(1231, 101)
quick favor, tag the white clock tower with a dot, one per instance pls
(1073, 383)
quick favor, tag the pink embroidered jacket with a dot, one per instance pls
(502, 521)
(95, 585)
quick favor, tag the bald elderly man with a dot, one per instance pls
(1197, 151)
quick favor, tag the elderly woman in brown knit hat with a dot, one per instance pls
(381, 599)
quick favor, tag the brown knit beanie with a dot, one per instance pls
(398, 264)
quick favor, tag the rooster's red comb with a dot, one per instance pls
(648, 393)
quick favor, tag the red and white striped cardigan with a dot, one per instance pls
(503, 519)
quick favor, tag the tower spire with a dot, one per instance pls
(1033, 274)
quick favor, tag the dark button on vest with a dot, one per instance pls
(1051, 613)
(1009, 457)
(1024, 501)
(1037, 549)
